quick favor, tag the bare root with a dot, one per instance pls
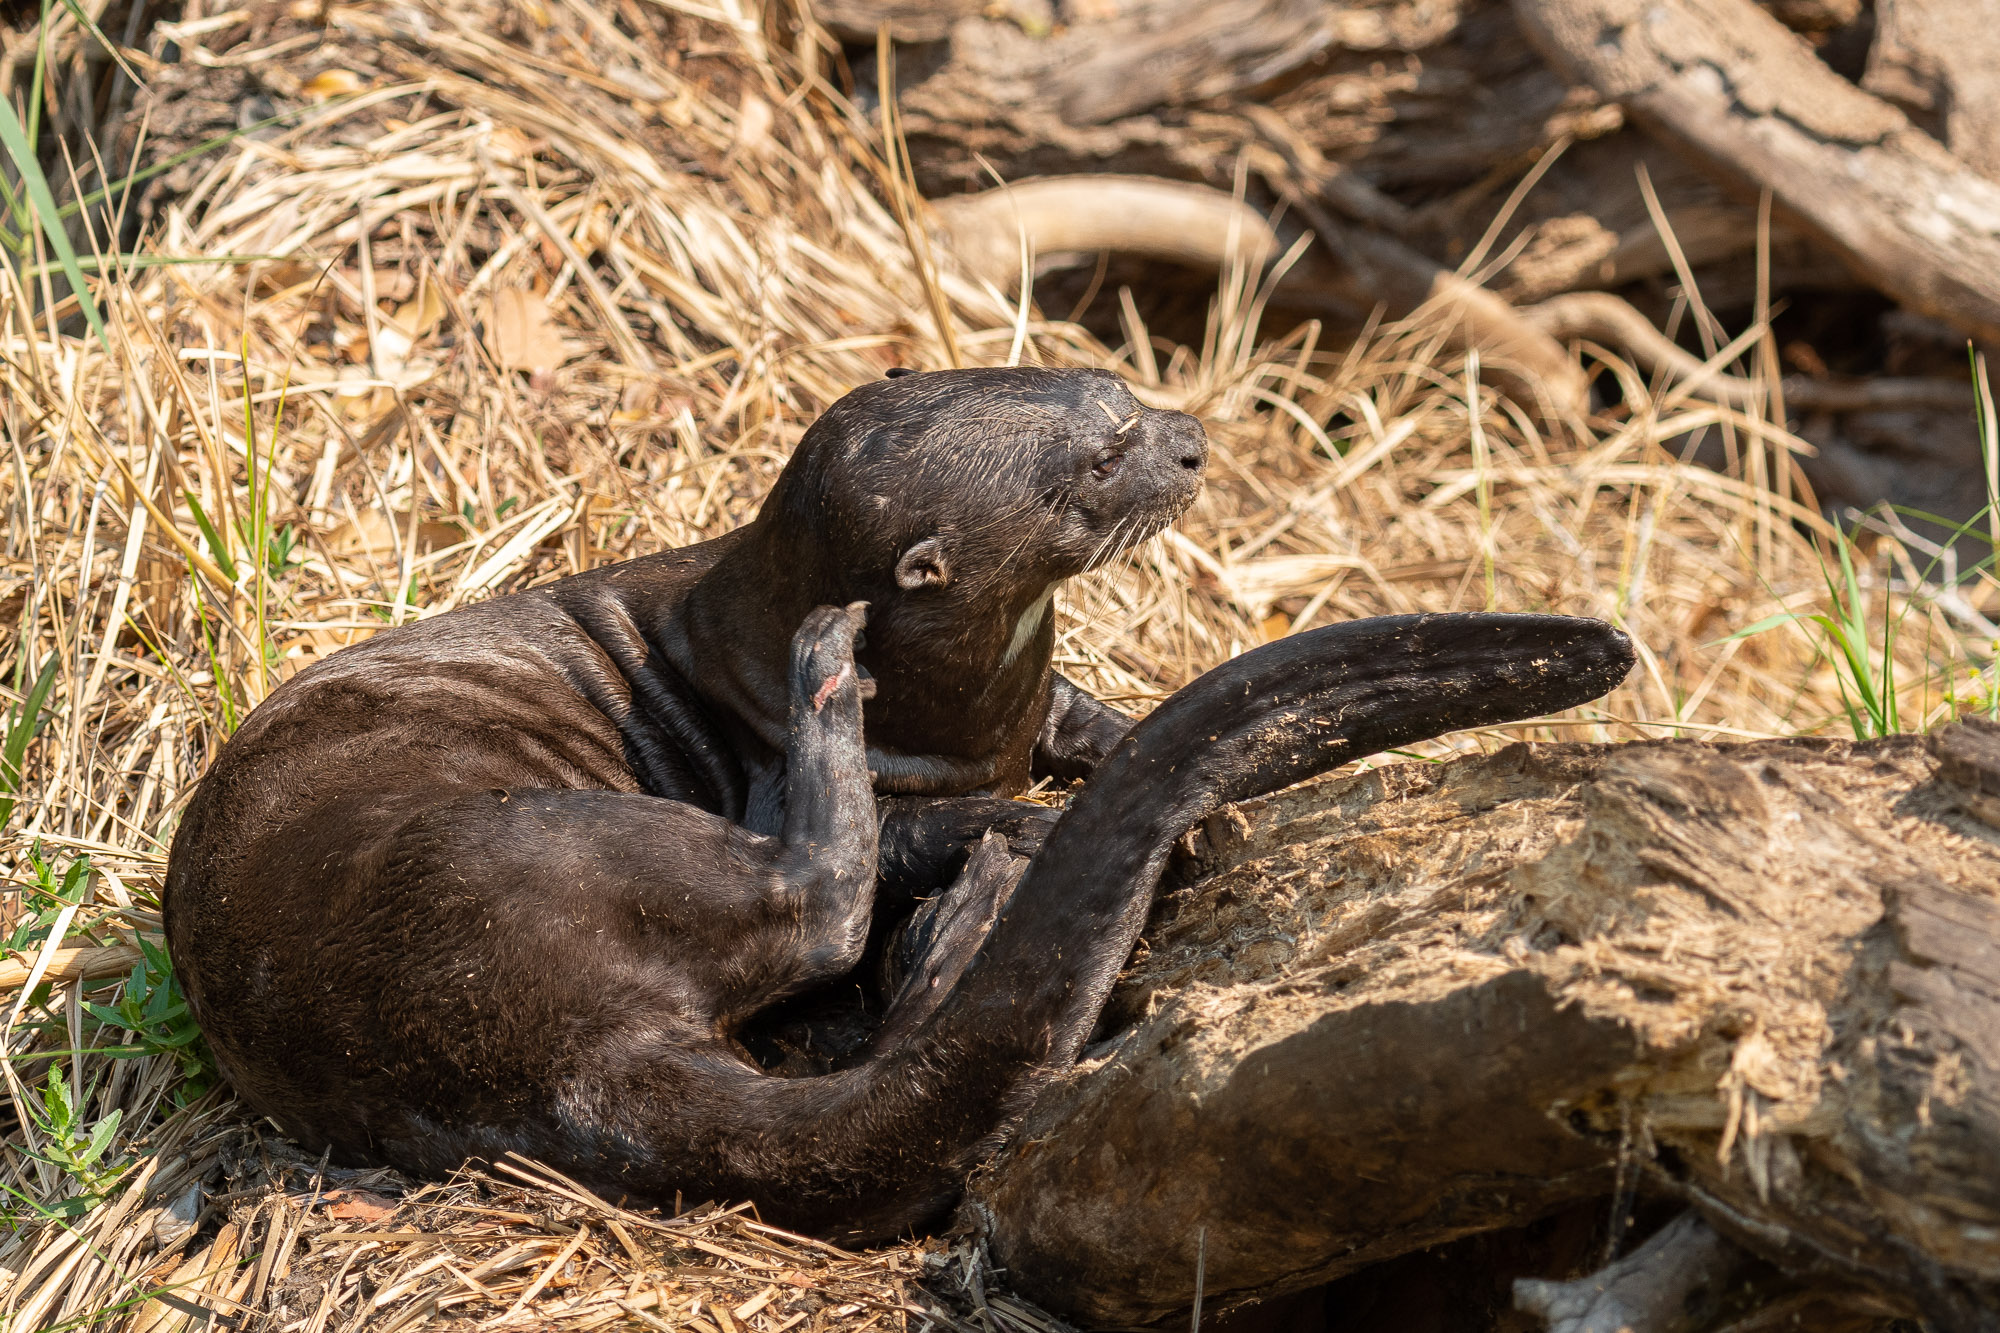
(1650, 1290)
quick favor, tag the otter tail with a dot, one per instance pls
(891, 1139)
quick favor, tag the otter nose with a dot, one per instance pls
(1185, 438)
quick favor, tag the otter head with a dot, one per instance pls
(954, 502)
(984, 483)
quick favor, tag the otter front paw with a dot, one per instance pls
(823, 666)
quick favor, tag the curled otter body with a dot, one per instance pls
(514, 878)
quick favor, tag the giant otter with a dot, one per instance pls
(514, 878)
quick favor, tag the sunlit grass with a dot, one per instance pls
(273, 432)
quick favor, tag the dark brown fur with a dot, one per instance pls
(460, 809)
(515, 878)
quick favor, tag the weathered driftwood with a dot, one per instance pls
(1191, 90)
(1388, 1010)
(1731, 84)
(991, 232)
(1128, 58)
(1403, 121)
(1680, 1269)
(1939, 60)
(1423, 93)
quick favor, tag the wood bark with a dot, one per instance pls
(1939, 60)
(1728, 82)
(1376, 1013)
(1430, 94)
(1652, 1290)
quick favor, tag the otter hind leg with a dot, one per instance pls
(930, 951)
(573, 959)
(926, 840)
(1078, 734)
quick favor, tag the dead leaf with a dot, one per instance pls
(359, 1206)
(400, 332)
(330, 83)
(391, 283)
(374, 533)
(523, 333)
(421, 314)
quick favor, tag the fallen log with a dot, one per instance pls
(1726, 81)
(1939, 60)
(1162, 219)
(1649, 1290)
(1380, 1012)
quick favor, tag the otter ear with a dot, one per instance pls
(897, 372)
(924, 565)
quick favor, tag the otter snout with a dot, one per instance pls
(1179, 439)
(1147, 471)
(1166, 453)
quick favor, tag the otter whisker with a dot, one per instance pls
(1098, 558)
(1103, 544)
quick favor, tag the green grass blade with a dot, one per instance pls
(17, 209)
(89, 25)
(92, 264)
(40, 78)
(223, 560)
(223, 694)
(1989, 441)
(14, 750)
(1767, 623)
(180, 681)
(165, 164)
(20, 148)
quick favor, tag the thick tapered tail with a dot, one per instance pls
(1274, 716)
(898, 1131)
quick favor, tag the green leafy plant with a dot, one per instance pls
(387, 614)
(45, 898)
(154, 1013)
(31, 208)
(281, 550)
(81, 1152)
(1864, 655)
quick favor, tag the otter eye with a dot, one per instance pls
(1107, 462)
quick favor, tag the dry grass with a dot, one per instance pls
(549, 286)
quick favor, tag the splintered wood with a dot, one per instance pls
(1391, 1009)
